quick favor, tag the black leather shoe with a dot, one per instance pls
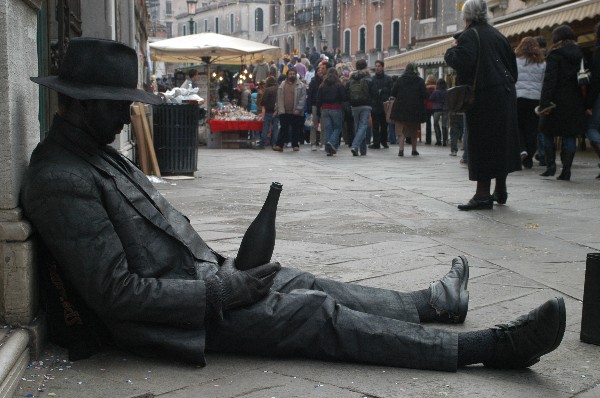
(449, 295)
(564, 175)
(374, 146)
(500, 197)
(478, 204)
(550, 171)
(521, 343)
(401, 152)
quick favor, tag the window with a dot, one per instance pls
(169, 29)
(379, 36)
(216, 24)
(183, 29)
(231, 23)
(206, 25)
(396, 34)
(362, 39)
(274, 14)
(347, 35)
(169, 8)
(258, 20)
(425, 9)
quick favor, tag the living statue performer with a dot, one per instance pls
(129, 270)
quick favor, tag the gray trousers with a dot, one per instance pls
(309, 317)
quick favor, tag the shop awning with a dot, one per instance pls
(576, 11)
(567, 13)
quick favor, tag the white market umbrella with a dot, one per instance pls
(212, 48)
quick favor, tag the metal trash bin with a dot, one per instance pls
(176, 137)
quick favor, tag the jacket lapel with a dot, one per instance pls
(136, 189)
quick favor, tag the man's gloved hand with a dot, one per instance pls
(231, 288)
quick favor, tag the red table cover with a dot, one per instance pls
(226, 125)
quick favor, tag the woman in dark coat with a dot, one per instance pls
(560, 89)
(408, 111)
(593, 99)
(493, 141)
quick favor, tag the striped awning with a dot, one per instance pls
(576, 11)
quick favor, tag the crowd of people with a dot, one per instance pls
(528, 100)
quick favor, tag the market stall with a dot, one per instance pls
(212, 48)
(232, 127)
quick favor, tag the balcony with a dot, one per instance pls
(376, 1)
(307, 16)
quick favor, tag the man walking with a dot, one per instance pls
(291, 98)
(311, 98)
(359, 90)
(380, 92)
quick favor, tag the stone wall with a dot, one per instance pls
(19, 133)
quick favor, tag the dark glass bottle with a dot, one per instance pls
(259, 240)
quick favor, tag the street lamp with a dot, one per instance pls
(191, 11)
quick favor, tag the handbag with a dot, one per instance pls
(460, 98)
(387, 107)
(584, 75)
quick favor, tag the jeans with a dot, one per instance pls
(593, 127)
(331, 125)
(313, 129)
(540, 145)
(457, 125)
(569, 143)
(440, 136)
(361, 123)
(289, 121)
(270, 122)
(392, 133)
(465, 155)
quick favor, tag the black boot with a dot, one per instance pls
(567, 160)
(449, 295)
(550, 160)
(521, 343)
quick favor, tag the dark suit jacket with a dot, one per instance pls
(129, 254)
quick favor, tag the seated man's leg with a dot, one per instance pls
(311, 324)
(445, 300)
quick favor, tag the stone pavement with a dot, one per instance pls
(382, 221)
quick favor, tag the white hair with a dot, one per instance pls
(475, 11)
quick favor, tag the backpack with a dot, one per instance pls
(359, 92)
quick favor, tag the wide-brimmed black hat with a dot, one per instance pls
(98, 69)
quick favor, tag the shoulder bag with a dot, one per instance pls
(460, 98)
(387, 107)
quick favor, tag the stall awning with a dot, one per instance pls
(567, 13)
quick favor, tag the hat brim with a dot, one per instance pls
(84, 91)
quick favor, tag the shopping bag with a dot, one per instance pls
(387, 107)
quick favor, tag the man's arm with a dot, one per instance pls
(68, 212)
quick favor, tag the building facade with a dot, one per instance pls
(514, 18)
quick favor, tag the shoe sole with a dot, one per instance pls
(463, 306)
(562, 319)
